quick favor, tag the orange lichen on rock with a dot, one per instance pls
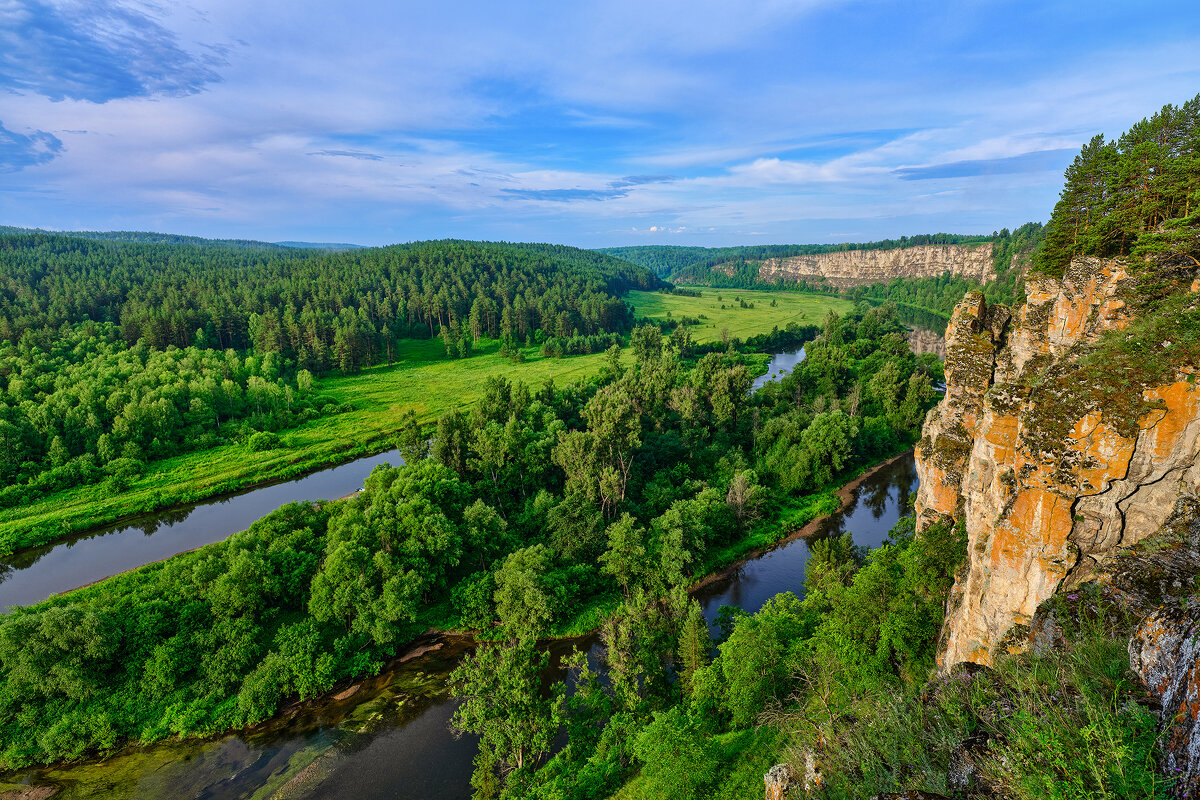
(1167, 428)
(1165, 653)
(1048, 480)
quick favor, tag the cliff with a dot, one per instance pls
(861, 267)
(921, 340)
(1058, 442)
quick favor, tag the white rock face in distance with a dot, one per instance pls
(861, 267)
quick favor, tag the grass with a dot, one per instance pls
(1069, 723)
(738, 761)
(797, 307)
(421, 379)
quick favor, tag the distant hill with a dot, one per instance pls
(149, 237)
(694, 263)
(321, 245)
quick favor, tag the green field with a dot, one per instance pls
(421, 379)
(742, 323)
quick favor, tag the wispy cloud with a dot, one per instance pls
(18, 151)
(359, 154)
(97, 51)
(640, 180)
(1040, 161)
(565, 195)
(613, 190)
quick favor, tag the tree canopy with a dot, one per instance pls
(1136, 195)
(619, 490)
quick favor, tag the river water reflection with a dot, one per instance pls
(31, 576)
(390, 738)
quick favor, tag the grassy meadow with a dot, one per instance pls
(421, 379)
(742, 323)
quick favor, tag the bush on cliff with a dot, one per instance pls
(1063, 723)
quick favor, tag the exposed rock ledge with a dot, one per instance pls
(921, 340)
(861, 267)
(1050, 480)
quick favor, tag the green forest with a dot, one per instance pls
(323, 310)
(543, 510)
(114, 354)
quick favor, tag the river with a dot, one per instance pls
(780, 365)
(390, 738)
(30, 576)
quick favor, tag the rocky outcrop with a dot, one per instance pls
(1160, 570)
(1165, 652)
(1053, 462)
(778, 780)
(861, 267)
(921, 340)
(1156, 582)
(782, 778)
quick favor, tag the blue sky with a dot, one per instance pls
(590, 123)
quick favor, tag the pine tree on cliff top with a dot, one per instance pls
(1137, 195)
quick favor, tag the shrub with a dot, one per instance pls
(263, 440)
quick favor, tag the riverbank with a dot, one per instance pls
(377, 398)
(844, 496)
(80, 560)
(410, 662)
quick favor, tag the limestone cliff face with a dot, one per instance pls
(861, 267)
(1052, 469)
(926, 341)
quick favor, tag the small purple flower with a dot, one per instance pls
(1072, 597)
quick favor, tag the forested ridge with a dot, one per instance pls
(149, 237)
(117, 353)
(152, 237)
(682, 263)
(542, 507)
(325, 310)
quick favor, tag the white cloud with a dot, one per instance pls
(407, 105)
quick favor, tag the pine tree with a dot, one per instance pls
(695, 645)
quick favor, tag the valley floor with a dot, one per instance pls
(421, 379)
